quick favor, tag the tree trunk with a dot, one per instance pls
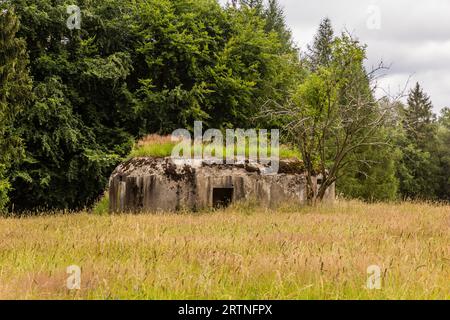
(323, 188)
(311, 192)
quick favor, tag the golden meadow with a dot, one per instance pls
(242, 252)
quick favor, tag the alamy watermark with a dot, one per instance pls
(74, 20)
(374, 279)
(235, 147)
(373, 17)
(73, 282)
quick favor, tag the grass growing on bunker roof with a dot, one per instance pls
(161, 146)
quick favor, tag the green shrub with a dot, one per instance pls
(102, 206)
(4, 189)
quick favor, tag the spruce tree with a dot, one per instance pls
(276, 21)
(419, 170)
(320, 52)
(15, 91)
(419, 120)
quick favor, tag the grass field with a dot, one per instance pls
(237, 253)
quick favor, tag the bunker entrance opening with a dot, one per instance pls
(222, 197)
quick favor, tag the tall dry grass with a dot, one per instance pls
(154, 139)
(237, 253)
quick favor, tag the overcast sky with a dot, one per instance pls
(413, 36)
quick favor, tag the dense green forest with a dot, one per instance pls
(74, 101)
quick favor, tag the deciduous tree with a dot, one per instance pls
(332, 115)
(15, 92)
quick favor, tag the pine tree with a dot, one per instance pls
(320, 51)
(15, 91)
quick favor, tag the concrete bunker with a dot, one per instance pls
(161, 184)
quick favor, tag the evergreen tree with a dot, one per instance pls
(320, 53)
(15, 91)
(443, 153)
(419, 120)
(276, 21)
(65, 167)
(419, 170)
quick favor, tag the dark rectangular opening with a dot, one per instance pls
(222, 197)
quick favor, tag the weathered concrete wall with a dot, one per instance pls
(147, 184)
